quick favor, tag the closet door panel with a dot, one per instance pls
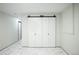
(44, 32)
(51, 32)
(34, 32)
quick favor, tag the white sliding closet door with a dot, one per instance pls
(45, 32)
(34, 28)
(41, 32)
(48, 31)
(51, 32)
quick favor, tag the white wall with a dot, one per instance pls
(76, 30)
(70, 29)
(8, 30)
(25, 32)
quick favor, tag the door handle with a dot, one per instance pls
(35, 34)
(48, 34)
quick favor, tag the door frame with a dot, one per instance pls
(19, 30)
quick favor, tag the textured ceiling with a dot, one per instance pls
(28, 8)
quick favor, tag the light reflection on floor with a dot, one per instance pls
(17, 49)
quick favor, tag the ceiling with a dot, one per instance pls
(28, 8)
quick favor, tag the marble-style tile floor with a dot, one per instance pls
(17, 49)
